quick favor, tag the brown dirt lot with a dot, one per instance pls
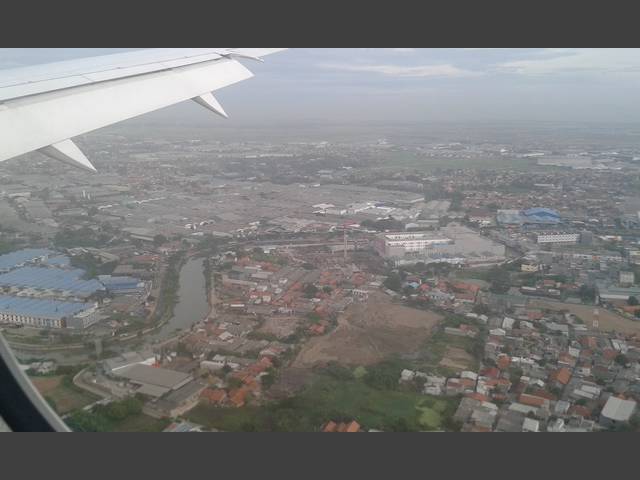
(281, 327)
(456, 358)
(65, 398)
(607, 321)
(369, 332)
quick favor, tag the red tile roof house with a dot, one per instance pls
(560, 377)
(533, 401)
(346, 427)
(214, 396)
(238, 396)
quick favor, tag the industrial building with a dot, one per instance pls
(558, 238)
(122, 285)
(154, 381)
(452, 244)
(42, 281)
(613, 293)
(46, 313)
(409, 244)
(176, 403)
(10, 261)
(530, 216)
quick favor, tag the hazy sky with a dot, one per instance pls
(405, 84)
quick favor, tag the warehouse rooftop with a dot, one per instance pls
(51, 309)
(12, 260)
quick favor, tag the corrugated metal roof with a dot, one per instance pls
(13, 259)
(51, 309)
(51, 279)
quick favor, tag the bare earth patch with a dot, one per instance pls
(369, 332)
(456, 359)
(281, 327)
(66, 399)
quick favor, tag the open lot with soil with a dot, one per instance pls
(457, 359)
(607, 321)
(369, 332)
(63, 394)
(280, 327)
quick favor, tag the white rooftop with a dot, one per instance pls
(618, 409)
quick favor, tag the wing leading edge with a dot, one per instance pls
(43, 107)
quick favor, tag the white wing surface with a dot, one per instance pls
(44, 106)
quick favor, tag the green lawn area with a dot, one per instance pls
(332, 399)
(118, 416)
(140, 423)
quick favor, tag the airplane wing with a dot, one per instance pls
(42, 107)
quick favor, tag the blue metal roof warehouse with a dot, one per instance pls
(541, 215)
(37, 308)
(12, 260)
(51, 279)
(121, 284)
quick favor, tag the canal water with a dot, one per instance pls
(192, 303)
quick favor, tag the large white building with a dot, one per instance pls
(452, 244)
(39, 313)
(408, 244)
(558, 237)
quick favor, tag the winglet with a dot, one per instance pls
(68, 152)
(208, 101)
(235, 53)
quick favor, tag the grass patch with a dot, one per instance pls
(140, 423)
(359, 372)
(118, 416)
(62, 394)
(333, 399)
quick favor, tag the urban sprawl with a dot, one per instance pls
(475, 283)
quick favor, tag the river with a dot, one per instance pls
(192, 303)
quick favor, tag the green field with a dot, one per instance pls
(118, 416)
(62, 394)
(340, 400)
(140, 423)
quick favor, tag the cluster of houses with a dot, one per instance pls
(546, 373)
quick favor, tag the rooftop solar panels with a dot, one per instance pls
(41, 278)
(38, 308)
(15, 259)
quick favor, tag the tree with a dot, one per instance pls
(310, 290)
(393, 282)
(621, 359)
(268, 380)
(384, 375)
(500, 280)
(159, 240)
(481, 309)
(587, 294)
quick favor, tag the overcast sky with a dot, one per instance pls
(405, 84)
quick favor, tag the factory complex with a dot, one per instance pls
(40, 289)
